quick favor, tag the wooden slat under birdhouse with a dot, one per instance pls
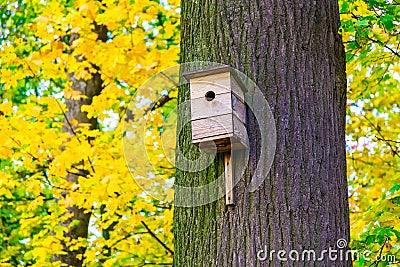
(229, 197)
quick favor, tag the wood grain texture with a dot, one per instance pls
(212, 127)
(197, 73)
(223, 104)
(229, 197)
(291, 50)
(239, 108)
(201, 108)
(238, 88)
(218, 83)
(218, 128)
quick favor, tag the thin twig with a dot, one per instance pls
(125, 238)
(388, 140)
(394, 151)
(378, 258)
(67, 120)
(385, 46)
(155, 237)
(77, 174)
(170, 79)
(73, 132)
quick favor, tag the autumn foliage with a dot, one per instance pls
(46, 45)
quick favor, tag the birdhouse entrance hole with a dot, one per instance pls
(210, 96)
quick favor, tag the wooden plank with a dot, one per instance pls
(212, 139)
(223, 104)
(201, 108)
(218, 83)
(226, 144)
(189, 75)
(229, 197)
(240, 132)
(212, 127)
(217, 131)
(239, 108)
(237, 89)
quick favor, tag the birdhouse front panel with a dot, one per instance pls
(218, 113)
(218, 83)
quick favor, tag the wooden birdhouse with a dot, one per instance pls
(218, 112)
(218, 115)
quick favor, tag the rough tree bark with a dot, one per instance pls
(292, 50)
(89, 88)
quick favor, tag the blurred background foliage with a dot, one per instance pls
(370, 32)
(43, 42)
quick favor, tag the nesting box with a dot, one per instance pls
(218, 112)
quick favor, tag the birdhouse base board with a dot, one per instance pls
(226, 144)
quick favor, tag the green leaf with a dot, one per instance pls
(344, 8)
(394, 188)
(362, 23)
(370, 239)
(396, 200)
(397, 233)
(388, 22)
(349, 56)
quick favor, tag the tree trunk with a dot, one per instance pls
(292, 50)
(88, 88)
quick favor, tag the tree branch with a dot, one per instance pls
(156, 238)
(67, 120)
(385, 46)
(394, 151)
